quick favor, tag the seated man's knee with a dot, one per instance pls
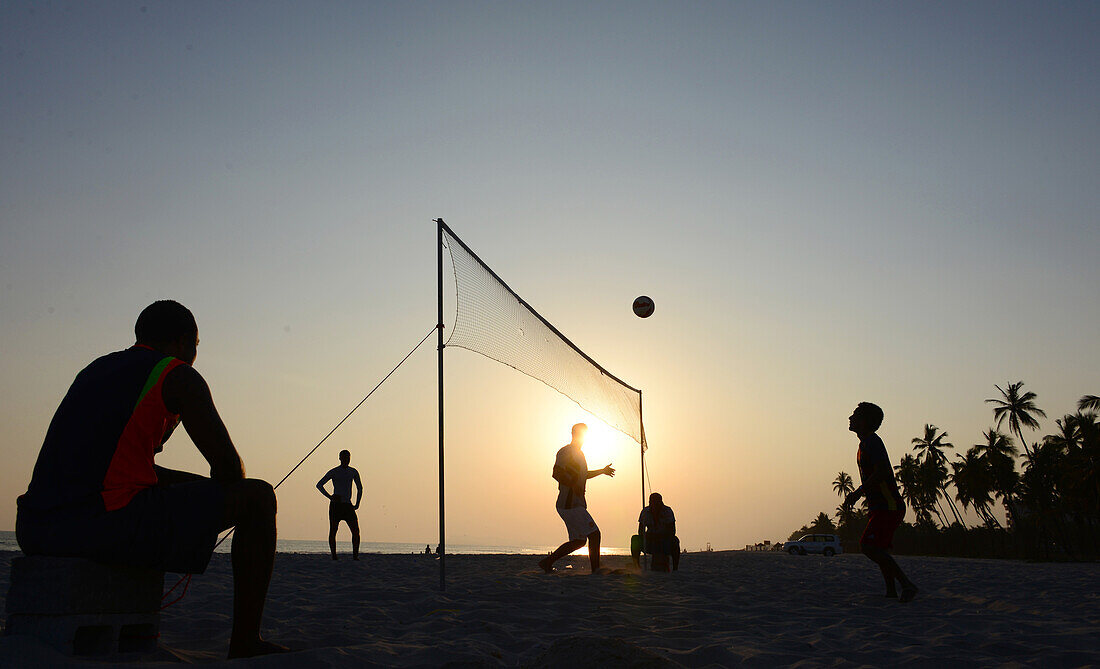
(595, 536)
(258, 497)
(265, 494)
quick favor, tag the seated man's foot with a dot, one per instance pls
(546, 565)
(257, 647)
(335, 558)
(355, 557)
(907, 594)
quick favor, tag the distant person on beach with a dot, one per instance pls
(572, 474)
(878, 486)
(657, 535)
(95, 492)
(340, 506)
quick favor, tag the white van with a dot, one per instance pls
(826, 544)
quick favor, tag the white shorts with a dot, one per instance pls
(579, 523)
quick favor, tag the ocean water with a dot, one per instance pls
(8, 543)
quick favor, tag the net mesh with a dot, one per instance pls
(494, 321)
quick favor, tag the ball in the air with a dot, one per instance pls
(643, 307)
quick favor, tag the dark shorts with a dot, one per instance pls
(344, 511)
(171, 528)
(880, 528)
(655, 545)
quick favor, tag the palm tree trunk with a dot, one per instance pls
(1027, 451)
(939, 512)
(952, 505)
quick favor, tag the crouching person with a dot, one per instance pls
(657, 535)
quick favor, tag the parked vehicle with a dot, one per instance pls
(826, 544)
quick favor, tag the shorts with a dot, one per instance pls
(656, 544)
(880, 528)
(169, 528)
(578, 522)
(344, 511)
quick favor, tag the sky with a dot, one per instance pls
(828, 202)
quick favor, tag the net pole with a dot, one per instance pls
(641, 451)
(442, 549)
(641, 448)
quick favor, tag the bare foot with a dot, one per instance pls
(546, 565)
(257, 647)
(907, 594)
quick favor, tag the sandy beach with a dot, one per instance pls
(721, 609)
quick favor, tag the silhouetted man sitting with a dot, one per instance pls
(656, 535)
(340, 506)
(95, 492)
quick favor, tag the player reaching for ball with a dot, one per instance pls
(571, 473)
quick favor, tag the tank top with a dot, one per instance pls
(100, 445)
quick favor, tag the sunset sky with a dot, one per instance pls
(828, 202)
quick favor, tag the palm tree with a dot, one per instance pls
(1068, 437)
(1000, 454)
(930, 475)
(1077, 441)
(931, 446)
(1019, 407)
(1088, 403)
(973, 480)
(843, 484)
(908, 475)
(823, 524)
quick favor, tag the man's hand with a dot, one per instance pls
(853, 497)
(609, 470)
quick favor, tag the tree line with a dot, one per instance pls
(1049, 488)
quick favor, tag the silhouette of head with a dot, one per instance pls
(345, 457)
(865, 419)
(655, 499)
(579, 430)
(168, 326)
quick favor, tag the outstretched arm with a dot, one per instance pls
(358, 489)
(609, 470)
(185, 392)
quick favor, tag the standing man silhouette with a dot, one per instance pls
(571, 473)
(884, 501)
(340, 506)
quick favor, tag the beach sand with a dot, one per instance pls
(721, 609)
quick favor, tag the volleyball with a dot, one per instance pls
(643, 307)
